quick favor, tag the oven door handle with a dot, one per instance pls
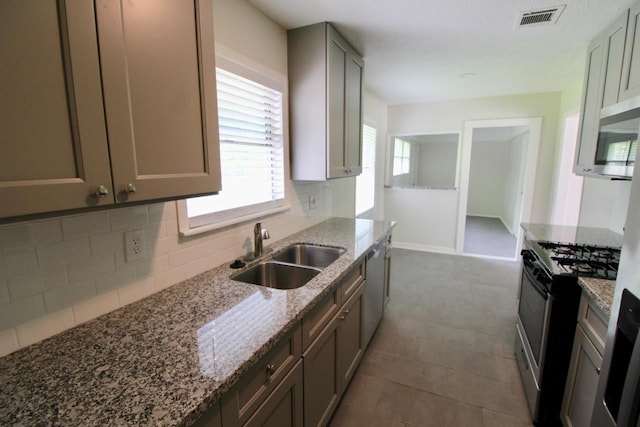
(537, 286)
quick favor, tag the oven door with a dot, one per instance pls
(534, 311)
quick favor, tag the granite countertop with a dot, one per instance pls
(573, 235)
(165, 359)
(600, 290)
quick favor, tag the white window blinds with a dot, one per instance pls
(366, 181)
(251, 152)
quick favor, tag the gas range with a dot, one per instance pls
(578, 260)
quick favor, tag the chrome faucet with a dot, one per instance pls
(259, 234)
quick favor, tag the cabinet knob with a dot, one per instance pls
(102, 191)
(271, 369)
(130, 188)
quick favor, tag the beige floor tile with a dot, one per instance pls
(412, 373)
(363, 392)
(496, 419)
(352, 416)
(486, 393)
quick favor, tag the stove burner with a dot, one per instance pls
(601, 253)
(582, 268)
(564, 250)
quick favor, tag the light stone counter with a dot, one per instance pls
(165, 359)
(600, 290)
(572, 235)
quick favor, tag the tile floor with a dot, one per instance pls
(443, 354)
(488, 236)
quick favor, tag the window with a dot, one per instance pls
(366, 181)
(251, 154)
(401, 156)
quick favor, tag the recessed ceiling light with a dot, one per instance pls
(467, 75)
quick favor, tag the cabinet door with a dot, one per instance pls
(53, 143)
(582, 382)
(353, 117)
(614, 39)
(159, 83)
(337, 57)
(321, 377)
(283, 407)
(590, 113)
(630, 85)
(351, 339)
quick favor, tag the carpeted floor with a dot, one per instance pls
(488, 236)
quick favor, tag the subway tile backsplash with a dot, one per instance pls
(60, 272)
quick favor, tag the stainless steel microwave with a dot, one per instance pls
(617, 141)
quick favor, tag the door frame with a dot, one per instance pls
(531, 162)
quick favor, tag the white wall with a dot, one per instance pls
(444, 117)
(63, 271)
(512, 203)
(487, 178)
(424, 218)
(604, 203)
(437, 164)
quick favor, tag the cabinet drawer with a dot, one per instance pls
(253, 388)
(319, 316)
(351, 281)
(593, 321)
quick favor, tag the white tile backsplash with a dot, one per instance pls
(66, 296)
(85, 225)
(90, 267)
(43, 232)
(8, 341)
(17, 263)
(44, 327)
(95, 307)
(63, 252)
(16, 237)
(73, 267)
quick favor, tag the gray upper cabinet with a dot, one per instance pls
(106, 104)
(53, 140)
(603, 87)
(630, 85)
(590, 111)
(325, 78)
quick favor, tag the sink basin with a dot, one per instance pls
(311, 255)
(277, 275)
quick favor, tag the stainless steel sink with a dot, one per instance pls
(311, 255)
(277, 275)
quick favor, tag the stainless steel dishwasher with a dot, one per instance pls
(374, 290)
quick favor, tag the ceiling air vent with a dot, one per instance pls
(548, 15)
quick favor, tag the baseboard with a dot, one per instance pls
(424, 248)
(507, 227)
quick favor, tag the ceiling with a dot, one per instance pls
(416, 50)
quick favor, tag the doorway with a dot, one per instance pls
(499, 159)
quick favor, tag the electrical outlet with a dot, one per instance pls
(134, 245)
(312, 201)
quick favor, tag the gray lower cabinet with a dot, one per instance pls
(584, 369)
(301, 379)
(331, 361)
(258, 386)
(283, 407)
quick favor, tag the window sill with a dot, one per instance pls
(186, 231)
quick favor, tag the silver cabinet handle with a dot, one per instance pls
(102, 191)
(271, 369)
(130, 188)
